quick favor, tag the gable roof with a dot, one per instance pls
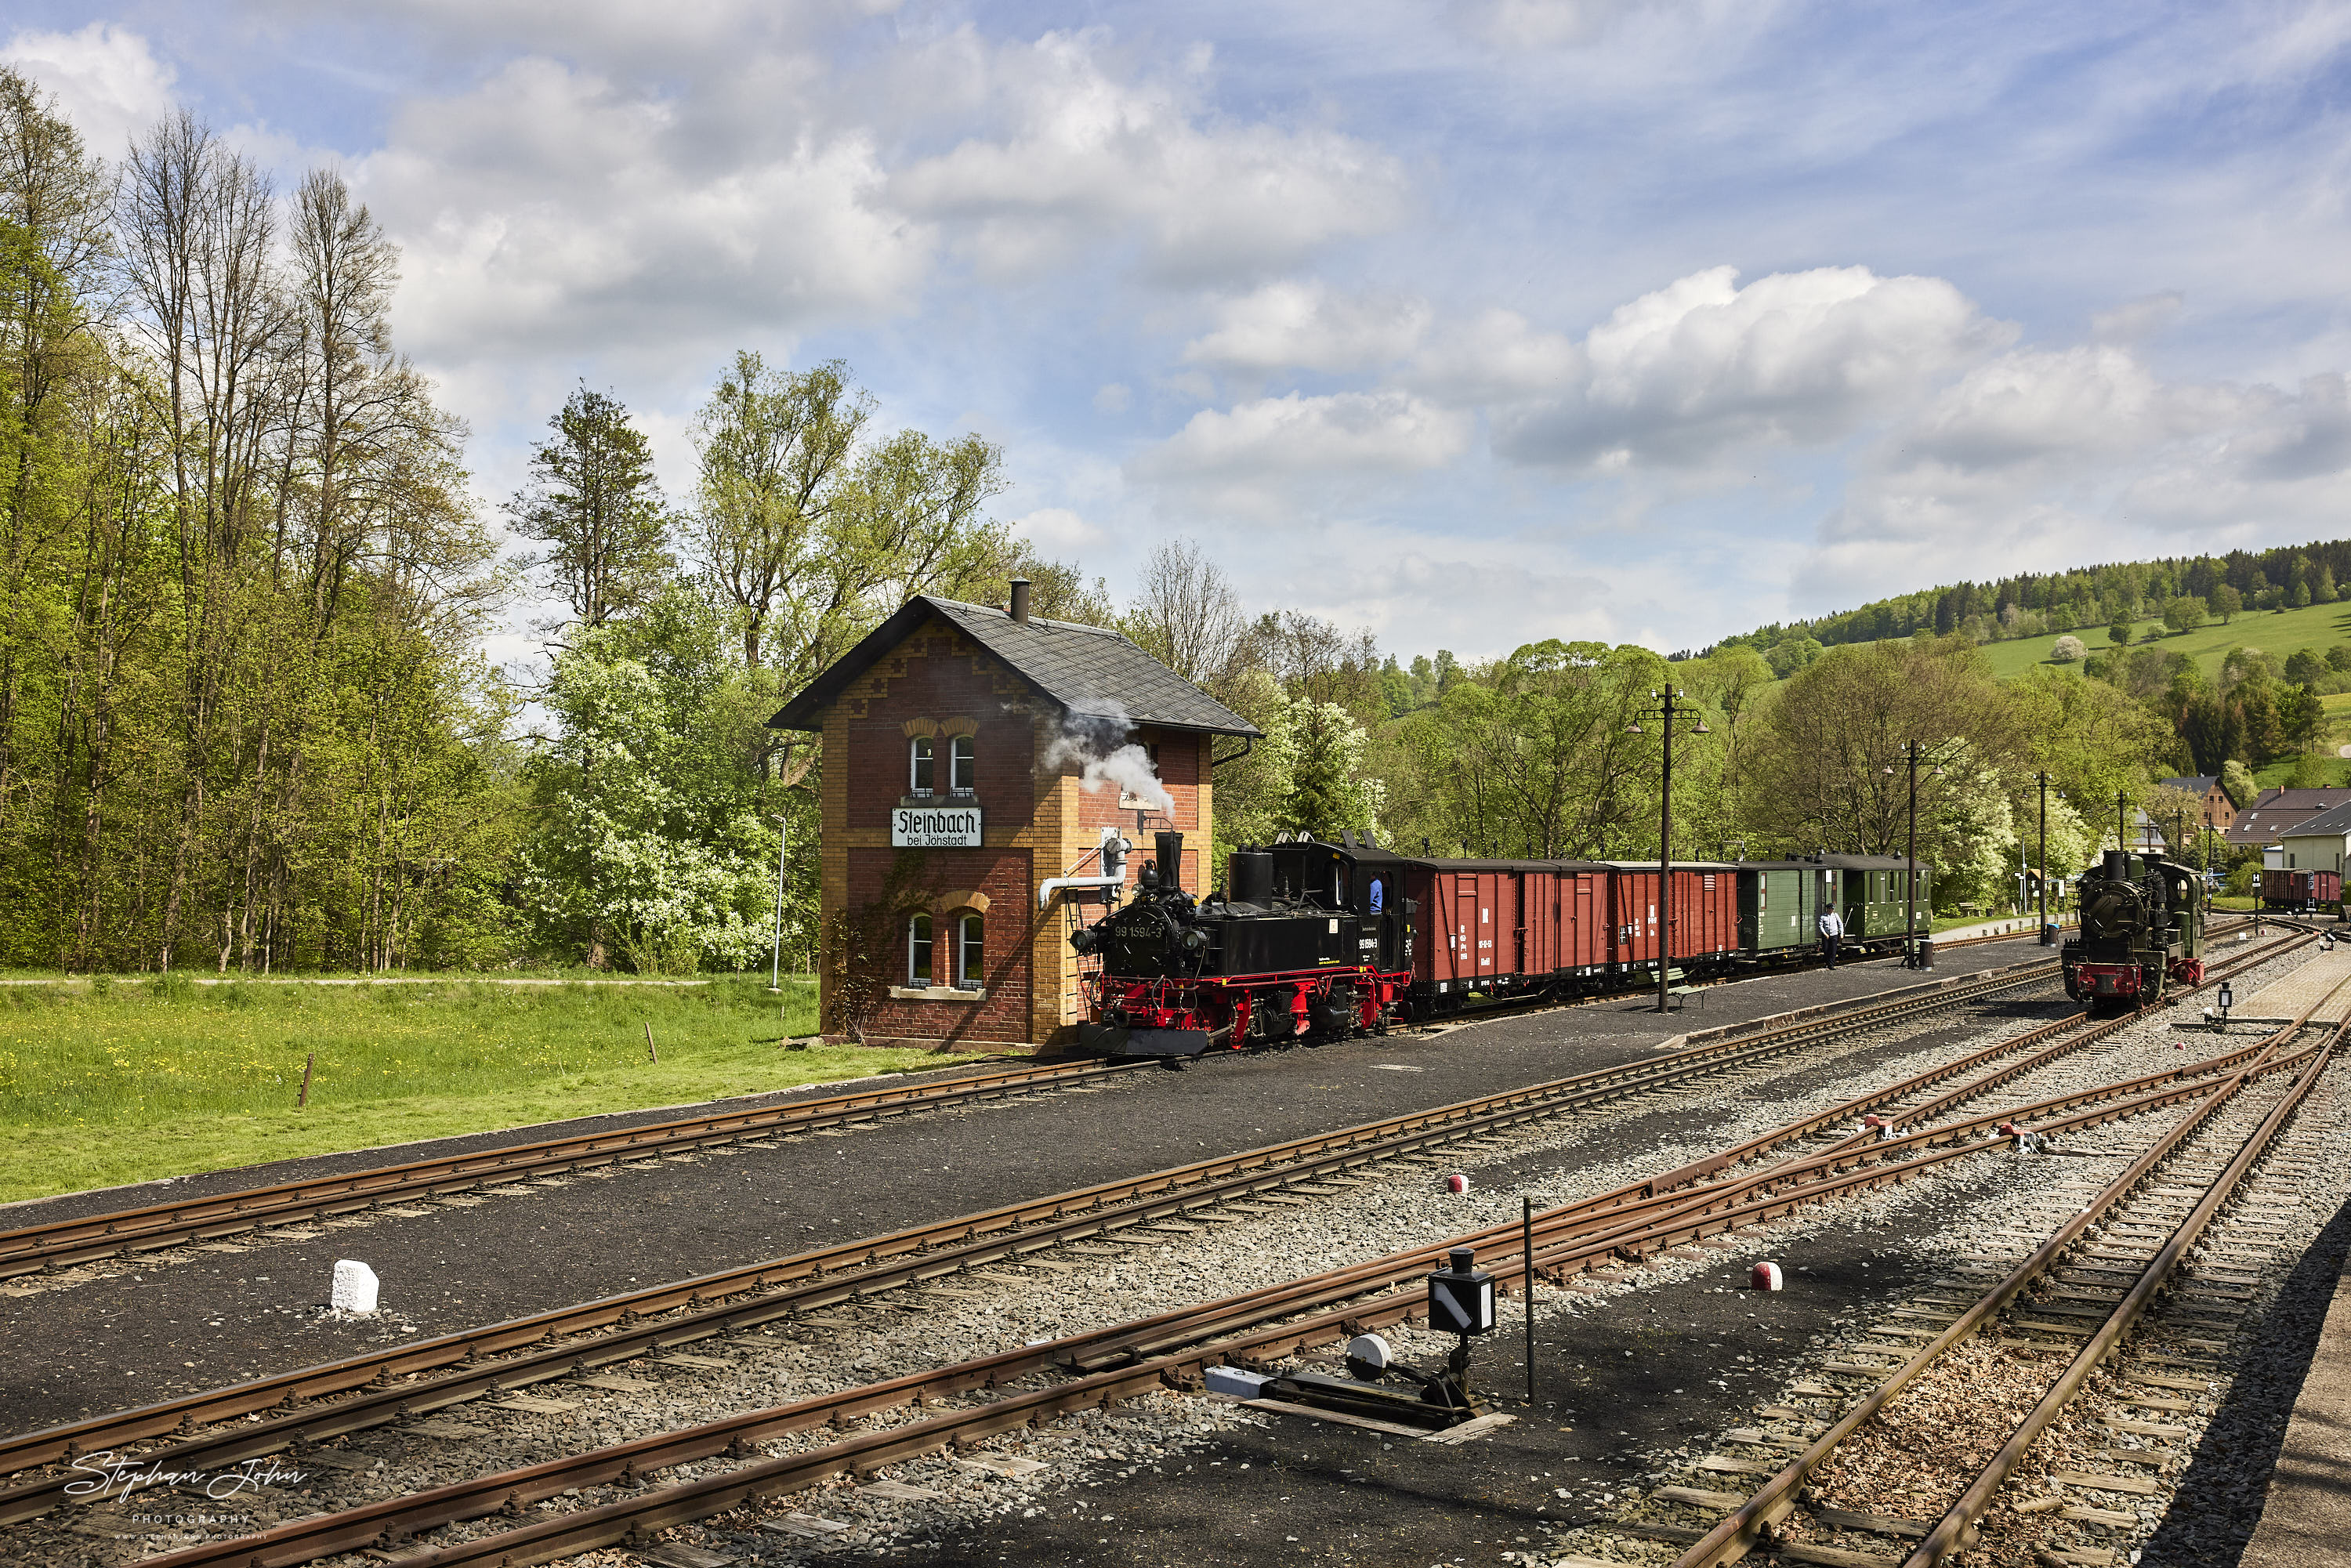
(2196, 784)
(1081, 669)
(2335, 823)
(2275, 812)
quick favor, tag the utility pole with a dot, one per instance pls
(2122, 824)
(1672, 707)
(1911, 958)
(2043, 776)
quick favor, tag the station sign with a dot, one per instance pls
(935, 827)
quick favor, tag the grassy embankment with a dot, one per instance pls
(2278, 633)
(105, 1082)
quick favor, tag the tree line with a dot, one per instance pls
(246, 719)
(2036, 604)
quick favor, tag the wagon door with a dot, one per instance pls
(1465, 926)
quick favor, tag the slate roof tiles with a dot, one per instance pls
(1084, 669)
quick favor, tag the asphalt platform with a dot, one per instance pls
(215, 1318)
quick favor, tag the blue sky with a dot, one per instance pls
(1472, 323)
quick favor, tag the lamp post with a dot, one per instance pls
(776, 969)
(1671, 708)
(2043, 777)
(1911, 958)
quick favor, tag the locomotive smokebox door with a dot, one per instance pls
(1461, 1299)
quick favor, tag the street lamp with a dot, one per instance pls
(1672, 708)
(1911, 957)
(2047, 936)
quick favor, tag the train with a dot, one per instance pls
(1311, 938)
(2301, 891)
(2142, 928)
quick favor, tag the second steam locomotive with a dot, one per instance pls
(2142, 926)
(1315, 939)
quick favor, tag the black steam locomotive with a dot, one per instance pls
(1294, 947)
(2142, 925)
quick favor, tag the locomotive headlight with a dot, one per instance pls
(1196, 941)
(1085, 940)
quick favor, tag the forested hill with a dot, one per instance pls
(2035, 604)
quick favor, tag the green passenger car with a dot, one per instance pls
(1779, 903)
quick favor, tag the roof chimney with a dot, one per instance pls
(1020, 599)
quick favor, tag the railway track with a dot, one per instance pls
(1781, 1510)
(56, 1245)
(1112, 1363)
(376, 1385)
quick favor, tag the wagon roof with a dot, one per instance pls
(1839, 863)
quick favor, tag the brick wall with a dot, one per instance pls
(1035, 825)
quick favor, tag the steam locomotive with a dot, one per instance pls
(2142, 925)
(1312, 939)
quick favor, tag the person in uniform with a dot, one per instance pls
(1832, 933)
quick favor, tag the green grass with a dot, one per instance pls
(103, 1082)
(2320, 626)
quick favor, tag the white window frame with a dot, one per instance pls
(921, 938)
(962, 764)
(971, 951)
(921, 752)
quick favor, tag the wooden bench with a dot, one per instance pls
(1679, 988)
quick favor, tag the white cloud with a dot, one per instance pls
(107, 81)
(2019, 461)
(1057, 530)
(1381, 432)
(1575, 24)
(2134, 321)
(1302, 324)
(549, 208)
(1114, 397)
(1680, 377)
(1498, 356)
(1086, 159)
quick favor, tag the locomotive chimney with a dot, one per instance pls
(1170, 858)
(2117, 865)
(1020, 599)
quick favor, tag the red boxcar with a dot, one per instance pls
(1499, 926)
(1706, 915)
(2300, 892)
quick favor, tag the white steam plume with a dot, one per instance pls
(1097, 742)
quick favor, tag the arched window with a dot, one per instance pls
(918, 950)
(971, 951)
(960, 765)
(923, 766)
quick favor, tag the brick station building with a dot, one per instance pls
(951, 798)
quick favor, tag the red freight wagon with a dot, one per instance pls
(2300, 892)
(1706, 915)
(1498, 925)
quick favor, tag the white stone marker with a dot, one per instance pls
(355, 1288)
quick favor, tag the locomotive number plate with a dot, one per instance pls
(935, 827)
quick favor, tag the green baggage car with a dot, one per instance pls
(1779, 902)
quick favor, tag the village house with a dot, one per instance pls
(2277, 811)
(2215, 810)
(2316, 843)
(972, 759)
